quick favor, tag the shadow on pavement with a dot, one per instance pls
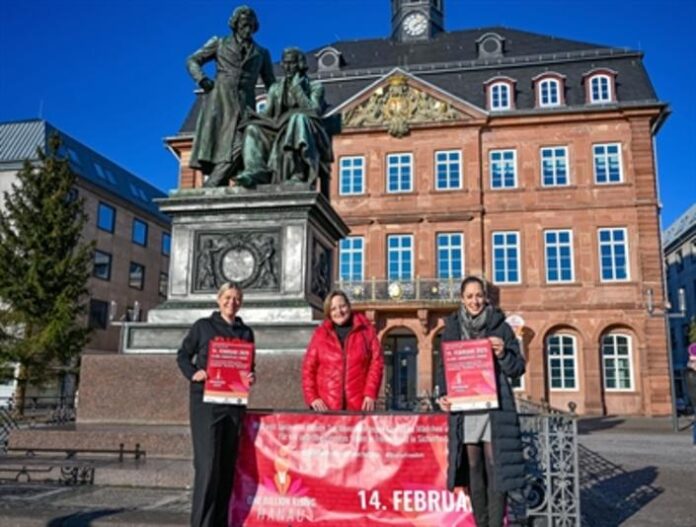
(82, 519)
(609, 495)
(594, 424)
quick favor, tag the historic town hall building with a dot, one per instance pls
(527, 159)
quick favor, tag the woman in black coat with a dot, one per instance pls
(485, 450)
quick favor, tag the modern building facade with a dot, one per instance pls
(679, 243)
(522, 158)
(131, 260)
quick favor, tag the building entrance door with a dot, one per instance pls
(400, 358)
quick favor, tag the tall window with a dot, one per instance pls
(600, 88)
(106, 217)
(503, 168)
(102, 265)
(500, 96)
(554, 166)
(166, 243)
(400, 172)
(400, 257)
(98, 314)
(450, 255)
(562, 362)
(506, 257)
(616, 362)
(613, 254)
(136, 276)
(549, 92)
(351, 175)
(559, 256)
(351, 253)
(448, 169)
(607, 163)
(139, 232)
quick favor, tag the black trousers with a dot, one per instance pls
(215, 433)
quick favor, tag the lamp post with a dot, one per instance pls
(681, 303)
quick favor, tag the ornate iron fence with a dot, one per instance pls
(37, 412)
(418, 289)
(551, 497)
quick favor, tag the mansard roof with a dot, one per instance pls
(450, 61)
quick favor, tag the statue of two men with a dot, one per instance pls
(286, 142)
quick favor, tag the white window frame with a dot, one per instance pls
(540, 92)
(400, 165)
(554, 159)
(351, 175)
(561, 357)
(401, 250)
(505, 248)
(351, 251)
(449, 247)
(606, 160)
(502, 152)
(615, 357)
(612, 244)
(557, 247)
(448, 163)
(491, 96)
(610, 89)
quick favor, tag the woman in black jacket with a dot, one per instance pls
(214, 427)
(485, 450)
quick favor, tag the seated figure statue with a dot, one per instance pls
(287, 142)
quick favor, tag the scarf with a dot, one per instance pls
(473, 327)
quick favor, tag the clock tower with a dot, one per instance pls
(417, 20)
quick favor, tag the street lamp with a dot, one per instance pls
(681, 304)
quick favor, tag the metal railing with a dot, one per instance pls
(410, 290)
(551, 497)
(38, 412)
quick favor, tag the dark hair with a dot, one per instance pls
(471, 279)
(244, 10)
(327, 301)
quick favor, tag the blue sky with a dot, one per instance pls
(111, 72)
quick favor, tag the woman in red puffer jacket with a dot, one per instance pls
(342, 368)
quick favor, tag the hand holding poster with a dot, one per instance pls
(470, 375)
(229, 365)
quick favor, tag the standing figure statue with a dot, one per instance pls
(230, 99)
(288, 141)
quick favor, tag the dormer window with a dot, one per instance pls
(549, 90)
(600, 86)
(490, 45)
(500, 94)
(329, 59)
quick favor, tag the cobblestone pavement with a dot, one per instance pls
(636, 473)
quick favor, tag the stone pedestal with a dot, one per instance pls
(279, 244)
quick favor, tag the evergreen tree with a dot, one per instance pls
(44, 268)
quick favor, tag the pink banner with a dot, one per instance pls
(345, 470)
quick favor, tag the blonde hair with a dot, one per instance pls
(230, 285)
(333, 294)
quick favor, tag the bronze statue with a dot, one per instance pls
(230, 99)
(288, 142)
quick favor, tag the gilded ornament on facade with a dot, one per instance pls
(397, 106)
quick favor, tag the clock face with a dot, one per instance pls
(415, 24)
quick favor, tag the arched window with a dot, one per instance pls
(549, 93)
(600, 89)
(500, 96)
(261, 103)
(617, 362)
(562, 361)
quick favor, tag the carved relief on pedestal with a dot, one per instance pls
(250, 258)
(397, 106)
(321, 270)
